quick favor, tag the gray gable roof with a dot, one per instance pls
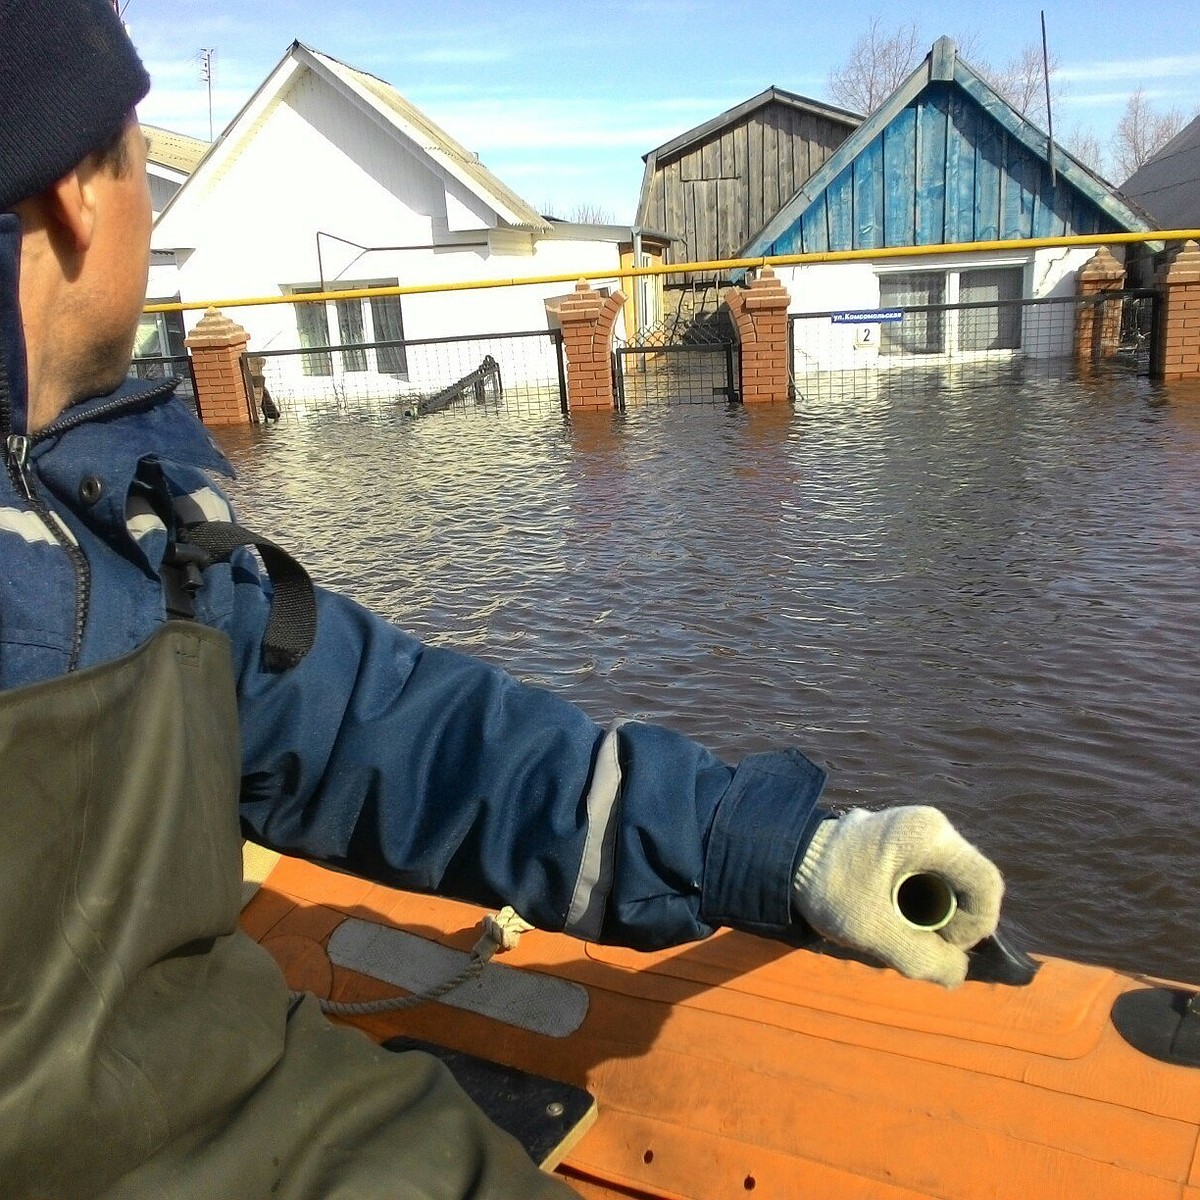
(1168, 186)
(772, 95)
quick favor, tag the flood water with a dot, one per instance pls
(984, 599)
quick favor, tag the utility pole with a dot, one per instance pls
(207, 56)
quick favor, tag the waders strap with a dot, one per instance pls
(292, 623)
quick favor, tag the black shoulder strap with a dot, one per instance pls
(292, 622)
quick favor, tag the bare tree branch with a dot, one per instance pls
(878, 63)
(1021, 82)
(1085, 145)
(582, 213)
(1141, 133)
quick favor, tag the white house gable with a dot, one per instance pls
(330, 177)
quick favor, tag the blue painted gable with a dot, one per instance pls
(945, 160)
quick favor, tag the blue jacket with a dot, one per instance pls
(409, 765)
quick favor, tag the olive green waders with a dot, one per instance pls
(148, 1048)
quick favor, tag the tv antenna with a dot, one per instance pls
(208, 56)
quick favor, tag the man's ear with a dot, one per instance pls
(69, 207)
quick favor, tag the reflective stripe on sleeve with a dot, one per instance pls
(141, 519)
(204, 504)
(594, 882)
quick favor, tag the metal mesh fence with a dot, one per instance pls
(675, 375)
(167, 367)
(853, 353)
(505, 371)
(679, 361)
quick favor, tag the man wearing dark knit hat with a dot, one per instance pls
(147, 1048)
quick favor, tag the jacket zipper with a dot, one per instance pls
(17, 449)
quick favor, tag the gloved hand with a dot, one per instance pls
(845, 884)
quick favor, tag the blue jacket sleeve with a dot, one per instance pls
(429, 770)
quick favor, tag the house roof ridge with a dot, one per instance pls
(944, 64)
(744, 108)
(397, 107)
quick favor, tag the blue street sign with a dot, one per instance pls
(868, 316)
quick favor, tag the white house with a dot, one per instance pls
(170, 159)
(328, 179)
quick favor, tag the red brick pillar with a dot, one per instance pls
(587, 320)
(1098, 324)
(759, 315)
(217, 344)
(1178, 343)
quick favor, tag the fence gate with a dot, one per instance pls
(677, 361)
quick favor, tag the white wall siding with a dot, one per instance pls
(822, 346)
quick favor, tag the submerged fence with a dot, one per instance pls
(592, 355)
(835, 354)
(522, 371)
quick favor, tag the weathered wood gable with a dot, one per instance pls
(945, 160)
(713, 186)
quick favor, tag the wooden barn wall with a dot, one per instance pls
(942, 171)
(722, 190)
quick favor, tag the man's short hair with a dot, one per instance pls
(69, 77)
(113, 156)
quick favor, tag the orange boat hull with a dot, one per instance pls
(736, 1066)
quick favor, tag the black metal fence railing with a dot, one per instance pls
(847, 353)
(680, 374)
(522, 371)
(166, 367)
(679, 362)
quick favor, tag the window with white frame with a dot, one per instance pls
(940, 326)
(363, 321)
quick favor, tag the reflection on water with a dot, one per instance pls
(984, 600)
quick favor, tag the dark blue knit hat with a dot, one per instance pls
(69, 78)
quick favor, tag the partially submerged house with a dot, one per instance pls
(329, 179)
(945, 160)
(713, 186)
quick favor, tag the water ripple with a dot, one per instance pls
(982, 599)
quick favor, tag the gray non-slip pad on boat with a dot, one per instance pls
(526, 999)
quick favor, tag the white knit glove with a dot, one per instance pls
(845, 889)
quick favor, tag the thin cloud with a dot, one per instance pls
(454, 56)
(533, 125)
(1164, 67)
(1103, 99)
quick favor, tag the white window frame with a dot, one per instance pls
(951, 273)
(339, 359)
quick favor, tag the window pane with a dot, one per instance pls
(919, 332)
(388, 323)
(990, 328)
(313, 329)
(350, 333)
(150, 339)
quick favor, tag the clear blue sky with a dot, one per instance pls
(561, 99)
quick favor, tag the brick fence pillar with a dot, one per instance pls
(1178, 344)
(1098, 324)
(759, 315)
(217, 344)
(587, 320)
